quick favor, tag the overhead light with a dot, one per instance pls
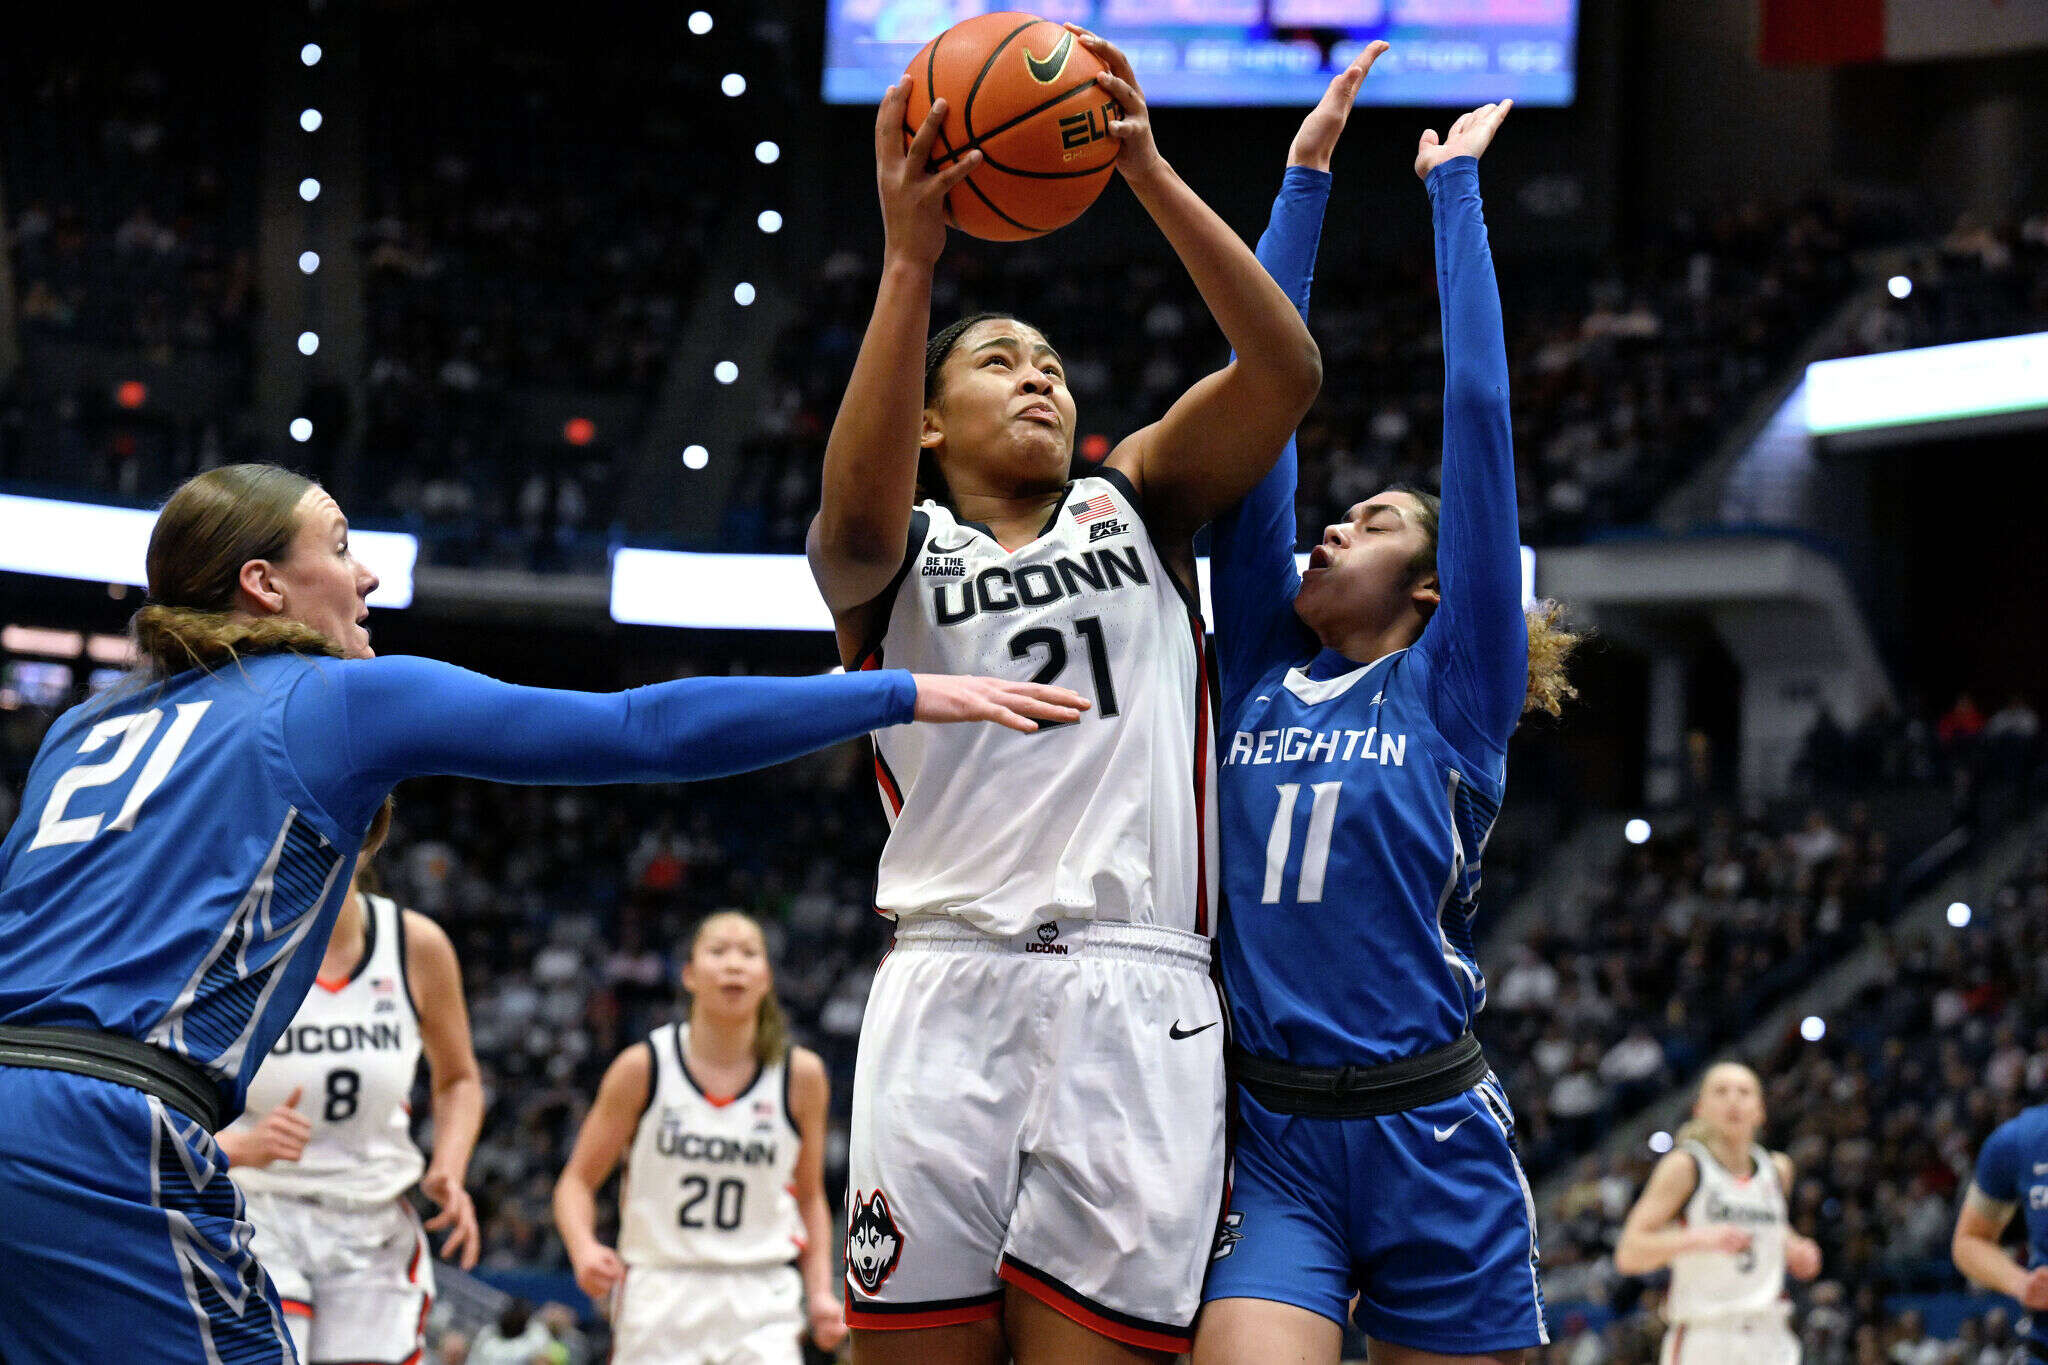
(695, 457)
(309, 119)
(302, 429)
(310, 54)
(309, 189)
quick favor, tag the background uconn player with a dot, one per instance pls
(1715, 1212)
(722, 1128)
(1367, 709)
(323, 1171)
(2012, 1175)
(181, 839)
(1039, 1091)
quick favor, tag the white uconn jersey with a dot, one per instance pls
(1107, 818)
(1716, 1284)
(353, 1049)
(710, 1183)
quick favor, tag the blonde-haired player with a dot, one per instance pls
(722, 1127)
(1715, 1212)
(325, 1166)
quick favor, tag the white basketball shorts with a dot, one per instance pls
(674, 1316)
(1752, 1338)
(356, 1280)
(1046, 1111)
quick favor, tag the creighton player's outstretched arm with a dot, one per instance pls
(1478, 641)
(356, 727)
(1252, 575)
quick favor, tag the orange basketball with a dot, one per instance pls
(1022, 89)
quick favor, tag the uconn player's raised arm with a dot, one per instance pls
(870, 481)
(1224, 432)
(1252, 575)
(354, 727)
(1479, 634)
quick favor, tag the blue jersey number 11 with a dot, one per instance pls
(134, 732)
(1315, 851)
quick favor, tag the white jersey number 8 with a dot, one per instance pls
(135, 731)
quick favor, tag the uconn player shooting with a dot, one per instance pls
(1715, 1212)
(324, 1152)
(184, 838)
(1037, 1108)
(725, 1238)
(1367, 706)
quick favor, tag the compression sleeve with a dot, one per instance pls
(353, 728)
(1477, 644)
(1252, 577)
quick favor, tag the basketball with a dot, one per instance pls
(1022, 89)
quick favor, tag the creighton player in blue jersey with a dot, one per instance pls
(2012, 1176)
(1367, 706)
(182, 839)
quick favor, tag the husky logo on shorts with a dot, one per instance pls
(873, 1244)
(1048, 941)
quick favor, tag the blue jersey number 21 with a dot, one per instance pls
(1315, 851)
(134, 732)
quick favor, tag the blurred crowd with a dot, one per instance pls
(1883, 1119)
(1980, 280)
(1665, 954)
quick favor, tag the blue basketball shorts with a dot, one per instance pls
(121, 1234)
(1425, 1214)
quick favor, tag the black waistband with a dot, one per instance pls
(1358, 1092)
(181, 1084)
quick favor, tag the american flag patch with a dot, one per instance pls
(382, 985)
(764, 1109)
(1101, 505)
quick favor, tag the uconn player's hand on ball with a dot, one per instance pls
(1137, 153)
(458, 1211)
(1319, 132)
(281, 1136)
(945, 697)
(598, 1270)
(1470, 136)
(913, 194)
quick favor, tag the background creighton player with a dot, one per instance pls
(722, 1127)
(1367, 709)
(2012, 1175)
(182, 838)
(324, 1170)
(1038, 1099)
(1731, 1243)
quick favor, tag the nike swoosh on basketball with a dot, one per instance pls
(1443, 1134)
(1047, 71)
(1178, 1032)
